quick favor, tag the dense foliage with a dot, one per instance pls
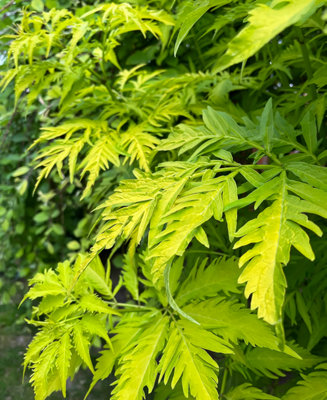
(196, 132)
(33, 229)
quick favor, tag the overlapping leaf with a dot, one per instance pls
(185, 358)
(264, 23)
(312, 387)
(273, 232)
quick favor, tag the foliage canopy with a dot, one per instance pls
(196, 131)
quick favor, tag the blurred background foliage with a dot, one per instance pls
(36, 230)
(40, 229)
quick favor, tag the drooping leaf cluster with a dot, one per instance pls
(197, 131)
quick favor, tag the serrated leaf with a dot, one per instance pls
(273, 232)
(40, 341)
(46, 284)
(65, 274)
(103, 368)
(95, 276)
(128, 211)
(138, 368)
(264, 23)
(274, 364)
(40, 378)
(103, 151)
(312, 174)
(185, 358)
(139, 144)
(202, 201)
(49, 303)
(248, 392)
(127, 332)
(233, 322)
(82, 345)
(312, 387)
(207, 280)
(95, 326)
(63, 360)
(93, 303)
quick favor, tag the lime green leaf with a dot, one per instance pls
(139, 144)
(41, 340)
(233, 322)
(128, 211)
(273, 363)
(45, 284)
(229, 196)
(94, 325)
(248, 392)
(103, 151)
(73, 245)
(191, 18)
(273, 232)
(264, 23)
(202, 201)
(63, 360)
(139, 367)
(185, 358)
(93, 303)
(207, 280)
(41, 377)
(312, 387)
(49, 303)
(312, 174)
(37, 5)
(20, 171)
(96, 277)
(104, 366)
(82, 345)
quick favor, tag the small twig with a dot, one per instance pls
(219, 253)
(135, 307)
(7, 6)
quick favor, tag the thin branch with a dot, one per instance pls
(7, 6)
(134, 307)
